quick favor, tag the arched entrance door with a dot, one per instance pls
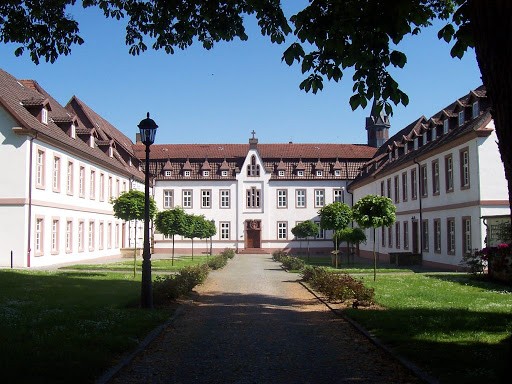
(253, 234)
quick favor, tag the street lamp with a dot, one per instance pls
(147, 129)
(343, 195)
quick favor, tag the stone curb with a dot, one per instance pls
(127, 359)
(406, 363)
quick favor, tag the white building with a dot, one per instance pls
(443, 174)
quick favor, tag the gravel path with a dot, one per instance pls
(254, 323)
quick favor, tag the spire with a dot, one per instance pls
(377, 125)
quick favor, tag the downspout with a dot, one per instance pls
(29, 226)
(420, 227)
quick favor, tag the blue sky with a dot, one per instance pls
(221, 95)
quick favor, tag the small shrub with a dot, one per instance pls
(293, 263)
(217, 261)
(229, 253)
(171, 287)
(278, 255)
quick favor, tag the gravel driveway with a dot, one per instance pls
(252, 322)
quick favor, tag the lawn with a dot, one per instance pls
(352, 267)
(69, 327)
(452, 325)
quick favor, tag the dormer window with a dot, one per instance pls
(300, 173)
(396, 153)
(406, 146)
(445, 126)
(73, 131)
(186, 173)
(433, 136)
(390, 156)
(415, 143)
(167, 173)
(206, 173)
(425, 139)
(44, 116)
(110, 152)
(475, 110)
(337, 172)
(280, 173)
(461, 118)
(319, 173)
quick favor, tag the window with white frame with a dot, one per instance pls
(69, 178)
(397, 234)
(390, 236)
(424, 233)
(167, 173)
(168, 198)
(321, 232)
(109, 235)
(383, 236)
(69, 236)
(224, 198)
(406, 235)
(300, 173)
(253, 198)
(448, 170)
(339, 195)
(206, 198)
(40, 162)
(300, 198)
(81, 236)
(388, 188)
(186, 173)
(461, 118)
(55, 236)
(433, 134)
(424, 180)
(435, 177)
(102, 187)
(446, 126)
(397, 189)
(464, 168)
(425, 138)
(224, 230)
(405, 189)
(319, 198)
(253, 169)
(466, 235)
(450, 235)
(101, 235)
(116, 236)
(224, 173)
(92, 185)
(91, 236)
(475, 111)
(81, 182)
(282, 201)
(337, 172)
(282, 230)
(44, 115)
(206, 173)
(319, 173)
(415, 143)
(280, 173)
(118, 188)
(110, 188)
(39, 236)
(56, 174)
(437, 235)
(414, 184)
(186, 198)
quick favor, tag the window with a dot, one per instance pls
(475, 111)
(102, 187)
(224, 198)
(448, 170)
(206, 173)
(435, 177)
(433, 133)
(337, 172)
(110, 192)
(300, 198)
(40, 161)
(300, 173)
(390, 237)
(280, 173)
(383, 236)
(168, 198)
(69, 179)
(186, 198)
(319, 173)
(253, 198)
(118, 189)
(437, 235)
(253, 169)
(116, 236)
(388, 188)
(424, 181)
(339, 195)
(450, 235)
(466, 235)
(446, 126)
(80, 236)
(206, 198)
(406, 235)
(55, 236)
(81, 182)
(38, 239)
(397, 189)
(224, 230)
(461, 118)
(414, 185)
(405, 188)
(319, 197)
(321, 231)
(415, 143)
(282, 230)
(92, 186)
(186, 173)
(464, 168)
(91, 236)
(382, 188)
(282, 201)
(397, 234)
(44, 116)
(56, 174)
(167, 173)
(424, 138)
(101, 235)
(109, 235)
(124, 186)
(424, 233)
(224, 173)
(69, 236)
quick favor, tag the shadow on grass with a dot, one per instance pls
(479, 281)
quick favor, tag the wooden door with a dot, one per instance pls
(253, 234)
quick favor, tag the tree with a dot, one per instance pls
(170, 223)
(335, 216)
(130, 206)
(373, 211)
(351, 236)
(305, 229)
(189, 229)
(340, 34)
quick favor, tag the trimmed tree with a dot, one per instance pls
(171, 222)
(305, 229)
(373, 211)
(130, 206)
(351, 236)
(335, 216)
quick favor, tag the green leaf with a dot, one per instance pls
(398, 59)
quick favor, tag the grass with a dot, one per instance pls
(127, 265)
(63, 327)
(450, 324)
(352, 267)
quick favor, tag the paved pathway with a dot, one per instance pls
(254, 323)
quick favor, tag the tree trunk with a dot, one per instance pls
(491, 24)
(374, 257)
(192, 248)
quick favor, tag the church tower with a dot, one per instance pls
(377, 126)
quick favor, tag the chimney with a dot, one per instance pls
(137, 139)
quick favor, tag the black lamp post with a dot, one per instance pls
(147, 135)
